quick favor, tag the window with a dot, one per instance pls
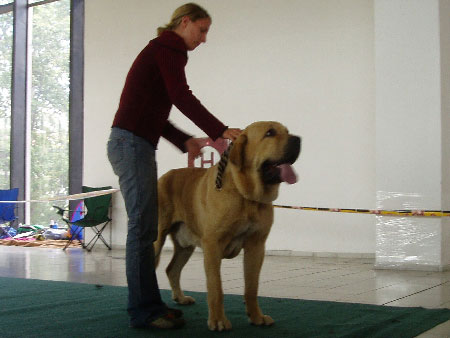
(49, 38)
(41, 111)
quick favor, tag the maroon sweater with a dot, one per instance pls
(155, 82)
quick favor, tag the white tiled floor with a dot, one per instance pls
(333, 279)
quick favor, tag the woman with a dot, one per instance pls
(155, 82)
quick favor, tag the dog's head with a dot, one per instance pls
(261, 159)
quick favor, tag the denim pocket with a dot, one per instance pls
(115, 151)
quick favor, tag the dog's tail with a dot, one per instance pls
(158, 245)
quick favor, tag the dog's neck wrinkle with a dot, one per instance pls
(249, 190)
(246, 188)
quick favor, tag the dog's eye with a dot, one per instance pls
(271, 132)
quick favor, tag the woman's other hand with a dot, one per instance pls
(231, 133)
(193, 147)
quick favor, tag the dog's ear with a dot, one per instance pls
(237, 153)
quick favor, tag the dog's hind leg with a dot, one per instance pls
(180, 257)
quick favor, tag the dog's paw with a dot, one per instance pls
(184, 300)
(261, 320)
(222, 324)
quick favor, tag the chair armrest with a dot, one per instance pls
(60, 211)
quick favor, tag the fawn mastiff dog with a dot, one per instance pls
(224, 209)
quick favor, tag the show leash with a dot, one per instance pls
(222, 166)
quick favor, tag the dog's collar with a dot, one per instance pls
(221, 167)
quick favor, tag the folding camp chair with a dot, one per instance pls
(97, 218)
(7, 210)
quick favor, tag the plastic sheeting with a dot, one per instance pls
(406, 242)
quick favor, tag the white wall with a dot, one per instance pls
(306, 63)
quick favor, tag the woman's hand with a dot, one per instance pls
(231, 133)
(193, 147)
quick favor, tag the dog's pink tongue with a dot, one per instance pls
(287, 173)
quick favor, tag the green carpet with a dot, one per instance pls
(38, 308)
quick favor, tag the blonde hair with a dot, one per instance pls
(193, 11)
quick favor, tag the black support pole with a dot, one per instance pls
(76, 104)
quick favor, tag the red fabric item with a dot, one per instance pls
(155, 82)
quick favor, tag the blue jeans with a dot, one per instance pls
(133, 161)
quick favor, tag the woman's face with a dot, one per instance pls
(194, 32)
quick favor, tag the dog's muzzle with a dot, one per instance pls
(275, 172)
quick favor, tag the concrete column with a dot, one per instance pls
(412, 131)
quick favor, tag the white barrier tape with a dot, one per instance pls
(69, 197)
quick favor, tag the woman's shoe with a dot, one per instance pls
(174, 312)
(168, 321)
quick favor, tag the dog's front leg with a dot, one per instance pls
(217, 321)
(253, 259)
